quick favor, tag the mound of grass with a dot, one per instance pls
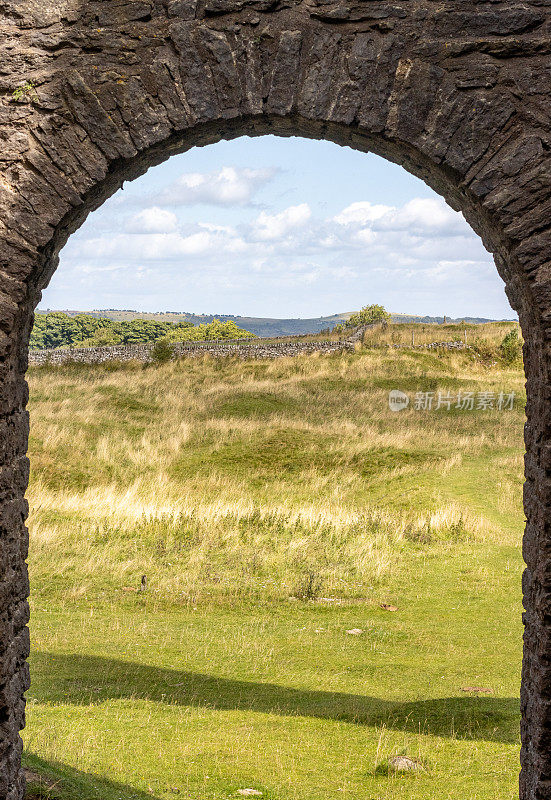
(255, 405)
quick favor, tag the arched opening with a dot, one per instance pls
(455, 95)
(352, 682)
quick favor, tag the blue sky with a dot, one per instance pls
(280, 228)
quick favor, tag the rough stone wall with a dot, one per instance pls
(142, 352)
(433, 346)
(457, 91)
(257, 348)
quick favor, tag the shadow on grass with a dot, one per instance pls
(52, 780)
(83, 679)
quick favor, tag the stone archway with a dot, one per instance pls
(457, 92)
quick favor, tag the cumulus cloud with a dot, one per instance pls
(362, 238)
(362, 212)
(397, 255)
(422, 231)
(419, 216)
(269, 227)
(138, 246)
(225, 187)
(424, 215)
(153, 220)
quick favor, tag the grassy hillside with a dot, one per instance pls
(274, 507)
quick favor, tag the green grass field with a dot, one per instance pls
(274, 506)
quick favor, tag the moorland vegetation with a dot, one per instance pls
(328, 582)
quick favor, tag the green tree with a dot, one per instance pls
(103, 337)
(368, 315)
(57, 329)
(140, 331)
(89, 325)
(209, 331)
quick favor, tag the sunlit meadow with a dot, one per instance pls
(255, 575)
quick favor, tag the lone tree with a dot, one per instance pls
(366, 316)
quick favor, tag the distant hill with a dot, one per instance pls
(261, 326)
(265, 327)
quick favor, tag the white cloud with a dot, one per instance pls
(419, 216)
(153, 220)
(195, 244)
(424, 231)
(225, 187)
(365, 253)
(210, 226)
(362, 238)
(137, 247)
(362, 212)
(366, 236)
(423, 215)
(269, 227)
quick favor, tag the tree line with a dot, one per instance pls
(57, 329)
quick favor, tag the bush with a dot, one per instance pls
(510, 349)
(162, 351)
(484, 351)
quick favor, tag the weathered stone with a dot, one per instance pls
(284, 73)
(95, 120)
(458, 92)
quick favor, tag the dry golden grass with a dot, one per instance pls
(419, 334)
(258, 474)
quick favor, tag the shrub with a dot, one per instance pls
(162, 351)
(510, 349)
(309, 587)
(485, 351)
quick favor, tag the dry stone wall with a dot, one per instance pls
(256, 348)
(433, 346)
(142, 352)
(94, 92)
